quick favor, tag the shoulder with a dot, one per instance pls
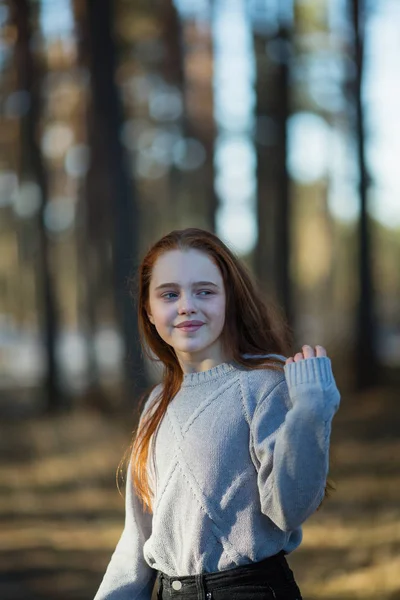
(154, 392)
(262, 384)
(264, 379)
(151, 400)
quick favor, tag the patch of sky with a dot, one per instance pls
(381, 94)
(234, 101)
(56, 18)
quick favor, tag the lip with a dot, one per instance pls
(190, 328)
(190, 325)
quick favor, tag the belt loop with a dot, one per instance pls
(160, 585)
(201, 592)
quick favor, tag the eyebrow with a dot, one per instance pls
(196, 283)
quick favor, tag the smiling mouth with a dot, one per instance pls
(190, 327)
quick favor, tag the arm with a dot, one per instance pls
(290, 431)
(128, 576)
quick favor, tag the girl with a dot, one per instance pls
(231, 454)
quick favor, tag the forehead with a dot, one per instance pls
(184, 266)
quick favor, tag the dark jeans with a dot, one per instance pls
(269, 579)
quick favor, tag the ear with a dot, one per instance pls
(150, 318)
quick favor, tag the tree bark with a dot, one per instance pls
(33, 168)
(104, 131)
(366, 362)
(271, 256)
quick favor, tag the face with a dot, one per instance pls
(188, 286)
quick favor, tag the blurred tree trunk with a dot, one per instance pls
(109, 182)
(33, 169)
(271, 256)
(366, 362)
(94, 236)
(188, 65)
(173, 71)
(282, 241)
(171, 33)
(200, 124)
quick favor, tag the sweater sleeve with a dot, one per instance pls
(290, 432)
(128, 576)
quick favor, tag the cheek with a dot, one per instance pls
(165, 315)
(219, 310)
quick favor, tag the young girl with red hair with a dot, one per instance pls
(231, 454)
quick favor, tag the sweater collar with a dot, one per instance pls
(190, 379)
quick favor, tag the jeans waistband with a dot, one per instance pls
(274, 566)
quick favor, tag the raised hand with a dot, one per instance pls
(308, 352)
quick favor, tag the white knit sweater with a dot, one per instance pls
(242, 457)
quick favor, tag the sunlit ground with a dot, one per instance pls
(61, 514)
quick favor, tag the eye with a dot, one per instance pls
(167, 295)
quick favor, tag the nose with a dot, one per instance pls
(186, 304)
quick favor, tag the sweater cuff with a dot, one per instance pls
(310, 370)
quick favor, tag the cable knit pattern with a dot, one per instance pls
(242, 457)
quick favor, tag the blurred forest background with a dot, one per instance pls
(274, 123)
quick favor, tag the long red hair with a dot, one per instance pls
(252, 326)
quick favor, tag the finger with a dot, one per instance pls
(289, 360)
(299, 356)
(308, 351)
(320, 351)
